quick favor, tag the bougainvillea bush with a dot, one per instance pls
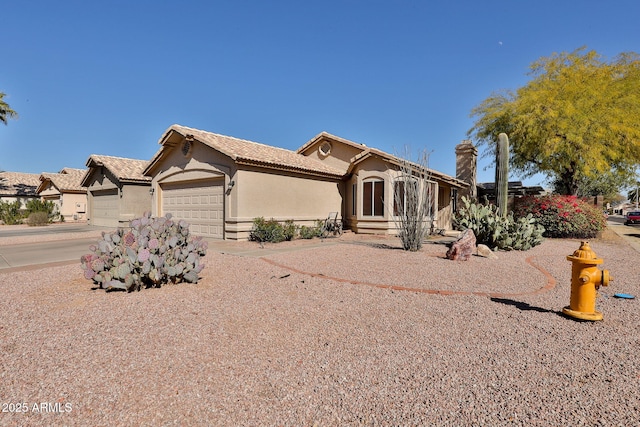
(153, 251)
(562, 216)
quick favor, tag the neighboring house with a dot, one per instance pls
(515, 190)
(17, 186)
(117, 191)
(219, 184)
(64, 189)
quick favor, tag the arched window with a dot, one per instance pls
(373, 197)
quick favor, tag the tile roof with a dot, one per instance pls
(254, 153)
(67, 180)
(19, 184)
(125, 170)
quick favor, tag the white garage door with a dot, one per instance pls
(104, 208)
(200, 203)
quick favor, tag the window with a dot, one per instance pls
(406, 198)
(354, 193)
(398, 198)
(454, 200)
(373, 198)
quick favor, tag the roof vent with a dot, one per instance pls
(324, 149)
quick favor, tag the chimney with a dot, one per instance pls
(466, 166)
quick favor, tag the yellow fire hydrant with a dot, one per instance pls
(586, 279)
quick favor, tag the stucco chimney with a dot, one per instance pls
(466, 166)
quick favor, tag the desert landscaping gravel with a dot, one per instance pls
(326, 335)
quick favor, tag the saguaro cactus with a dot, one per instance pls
(502, 174)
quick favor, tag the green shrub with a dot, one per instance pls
(38, 219)
(311, 232)
(289, 229)
(152, 252)
(37, 205)
(10, 213)
(497, 232)
(563, 216)
(272, 231)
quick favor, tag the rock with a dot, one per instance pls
(484, 251)
(463, 248)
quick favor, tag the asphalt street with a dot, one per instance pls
(14, 256)
(70, 250)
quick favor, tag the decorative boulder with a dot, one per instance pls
(486, 252)
(463, 248)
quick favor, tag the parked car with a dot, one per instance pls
(632, 218)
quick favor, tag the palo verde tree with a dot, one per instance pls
(577, 118)
(5, 111)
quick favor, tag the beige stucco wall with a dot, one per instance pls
(99, 181)
(135, 201)
(73, 206)
(339, 157)
(282, 196)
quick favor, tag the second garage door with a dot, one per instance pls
(105, 208)
(200, 203)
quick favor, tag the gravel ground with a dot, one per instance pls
(308, 338)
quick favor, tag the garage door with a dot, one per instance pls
(200, 203)
(104, 208)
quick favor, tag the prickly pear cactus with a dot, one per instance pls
(153, 251)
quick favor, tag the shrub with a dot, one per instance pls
(497, 232)
(311, 232)
(10, 212)
(563, 216)
(38, 219)
(272, 231)
(289, 229)
(47, 206)
(152, 252)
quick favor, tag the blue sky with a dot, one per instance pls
(110, 77)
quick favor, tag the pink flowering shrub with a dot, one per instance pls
(562, 216)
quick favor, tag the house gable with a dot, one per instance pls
(332, 150)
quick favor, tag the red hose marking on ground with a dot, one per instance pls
(551, 283)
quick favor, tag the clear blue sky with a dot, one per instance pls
(108, 77)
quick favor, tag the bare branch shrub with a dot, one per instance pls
(413, 197)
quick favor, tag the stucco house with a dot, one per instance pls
(220, 183)
(18, 186)
(64, 189)
(117, 190)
